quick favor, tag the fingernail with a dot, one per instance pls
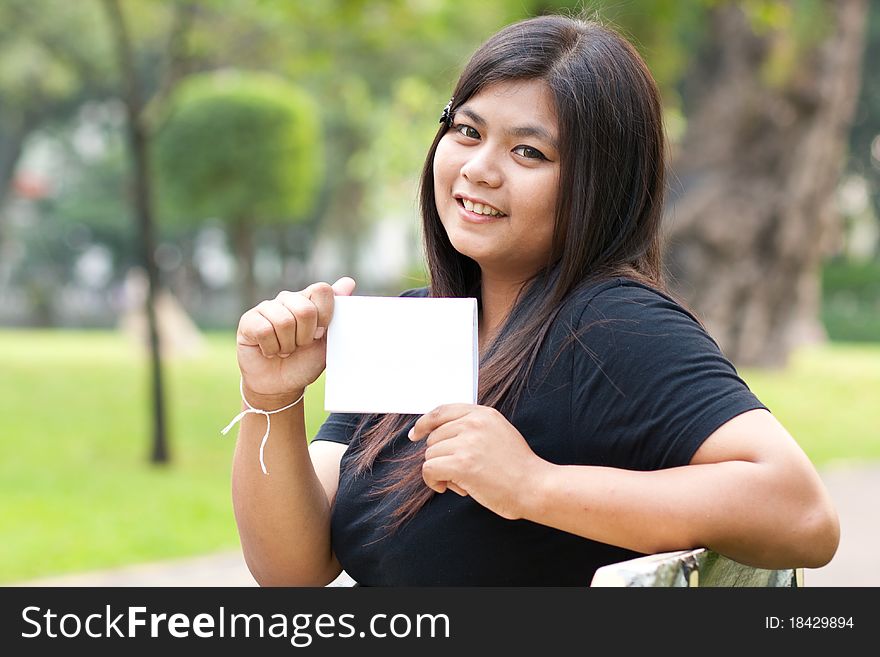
(319, 333)
(410, 434)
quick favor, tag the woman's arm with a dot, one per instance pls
(749, 493)
(284, 518)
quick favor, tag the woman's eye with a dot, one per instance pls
(468, 131)
(529, 153)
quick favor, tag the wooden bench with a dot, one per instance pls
(692, 568)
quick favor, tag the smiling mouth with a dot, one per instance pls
(480, 208)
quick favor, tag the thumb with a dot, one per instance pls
(344, 286)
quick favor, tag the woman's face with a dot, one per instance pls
(495, 178)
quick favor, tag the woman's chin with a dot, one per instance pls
(472, 251)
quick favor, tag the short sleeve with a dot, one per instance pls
(649, 383)
(339, 427)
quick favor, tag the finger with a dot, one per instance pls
(321, 295)
(254, 330)
(306, 316)
(445, 448)
(436, 473)
(455, 488)
(344, 287)
(438, 417)
(284, 325)
(442, 441)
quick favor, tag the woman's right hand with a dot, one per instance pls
(282, 344)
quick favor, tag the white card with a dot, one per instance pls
(401, 354)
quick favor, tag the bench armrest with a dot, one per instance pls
(692, 568)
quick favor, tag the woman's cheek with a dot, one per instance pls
(443, 165)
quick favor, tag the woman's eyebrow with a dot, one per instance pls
(533, 131)
(519, 131)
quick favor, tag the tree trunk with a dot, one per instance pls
(142, 200)
(752, 206)
(245, 250)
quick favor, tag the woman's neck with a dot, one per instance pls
(498, 296)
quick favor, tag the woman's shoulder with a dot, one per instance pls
(626, 313)
(635, 331)
(626, 300)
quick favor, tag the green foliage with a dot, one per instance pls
(43, 58)
(664, 31)
(238, 145)
(399, 144)
(851, 300)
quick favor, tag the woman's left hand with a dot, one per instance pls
(473, 450)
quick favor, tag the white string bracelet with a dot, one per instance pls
(257, 411)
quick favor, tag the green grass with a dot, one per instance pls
(76, 488)
(829, 399)
(77, 492)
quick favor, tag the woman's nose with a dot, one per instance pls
(481, 169)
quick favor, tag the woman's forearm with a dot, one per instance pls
(283, 517)
(747, 511)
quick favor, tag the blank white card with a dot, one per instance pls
(401, 354)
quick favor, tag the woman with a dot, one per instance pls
(609, 423)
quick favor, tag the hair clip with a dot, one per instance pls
(446, 116)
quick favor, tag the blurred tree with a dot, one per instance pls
(138, 131)
(752, 211)
(46, 71)
(242, 147)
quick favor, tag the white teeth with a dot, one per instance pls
(479, 208)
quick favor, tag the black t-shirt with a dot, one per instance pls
(641, 388)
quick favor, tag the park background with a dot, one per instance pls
(166, 164)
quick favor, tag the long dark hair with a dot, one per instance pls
(608, 212)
